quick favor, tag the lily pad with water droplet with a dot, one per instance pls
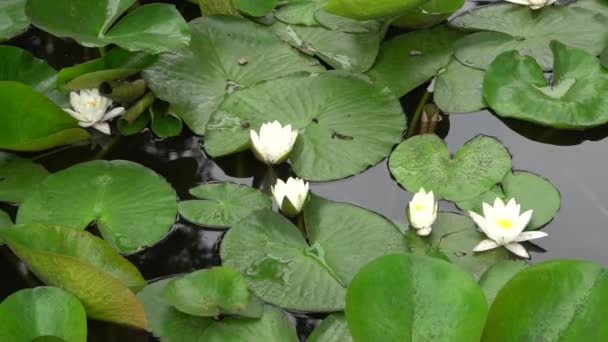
(459, 88)
(408, 60)
(498, 275)
(223, 204)
(42, 312)
(559, 300)
(83, 265)
(332, 329)
(515, 87)
(529, 190)
(346, 124)
(211, 292)
(13, 20)
(195, 80)
(405, 297)
(171, 325)
(515, 27)
(424, 161)
(132, 206)
(18, 177)
(286, 270)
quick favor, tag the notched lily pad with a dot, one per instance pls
(132, 206)
(459, 88)
(425, 162)
(515, 87)
(18, 177)
(222, 204)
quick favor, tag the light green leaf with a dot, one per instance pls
(83, 265)
(13, 20)
(226, 54)
(222, 204)
(214, 7)
(404, 297)
(127, 128)
(18, 177)
(165, 124)
(42, 312)
(459, 89)
(498, 275)
(256, 8)
(286, 270)
(346, 124)
(371, 9)
(300, 12)
(515, 87)
(424, 161)
(132, 206)
(428, 14)
(332, 329)
(560, 300)
(408, 60)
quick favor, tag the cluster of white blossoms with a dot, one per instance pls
(534, 4)
(502, 224)
(91, 109)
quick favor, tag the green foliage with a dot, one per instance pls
(371, 9)
(13, 20)
(428, 14)
(332, 329)
(18, 177)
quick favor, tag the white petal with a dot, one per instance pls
(74, 114)
(518, 250)
(499, 204)
(479, 220)
(113, 113)
(424, 231)
(527, 236)
(485, 245)
(103, 127)
(519, 2)
(522, 221)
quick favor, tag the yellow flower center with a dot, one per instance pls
(504, 223)
(91, 103)
(418, 206)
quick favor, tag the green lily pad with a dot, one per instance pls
(42, 311)
(13, 20)
(529, 190)
(211, 292)
(403, 298)
(286, 270)
(226, 54)
(222, 205)
(332, 329)
(338, 23)
(424, 161)
(83, 265)
(213, 7)
(18, 177)
(408, 60)
(346, 124)
(560, 300)
(371, 9)
(459, 88)
(152, 28)
(515, 27)
(515, 87)
(498, 275)
(39, 125)
(299, 12)
(132, 206)
(256, 8)
(604, 58)
(453, 237)
(340, 49)
(127, 128)
(171, 325)
(428, 14)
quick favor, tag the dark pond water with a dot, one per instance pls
(574, 161)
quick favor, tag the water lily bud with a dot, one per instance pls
(291, 195)
(422, 212)
(504, 226)
(534, 4)
(90, 109)
(274, 142)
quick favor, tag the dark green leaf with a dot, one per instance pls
(165, 123)
(13, 20)
(18, 177)
(428, 14)
(371, 9)
(130, 128)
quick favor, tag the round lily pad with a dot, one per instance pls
(515, 27)
(459, 88)
(425, 162)
(408, 60)
(171, 325)
(404, 298)
(83, 265)
(222, 204)
(286, 270)
(345, 123)
(225, 54)
(211, 292)
(515, 87)
(498, 275)
(370, 9)
(13, 20)
(42, 311)
(560, 300)
(18, 177)
(529, 190)
(132, 206)
(332, 329)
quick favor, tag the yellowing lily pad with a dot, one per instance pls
(287, 270)
(515, 87)
(425, 162)
(132, 206)
(346, 124)
(18, 177)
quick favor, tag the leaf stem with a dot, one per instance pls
(139, 107)
(416, 118)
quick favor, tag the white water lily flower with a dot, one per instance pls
(90, 108)
(274, 142)
(504, 226)
(534, 4)
(422, 212)
(291, 195)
